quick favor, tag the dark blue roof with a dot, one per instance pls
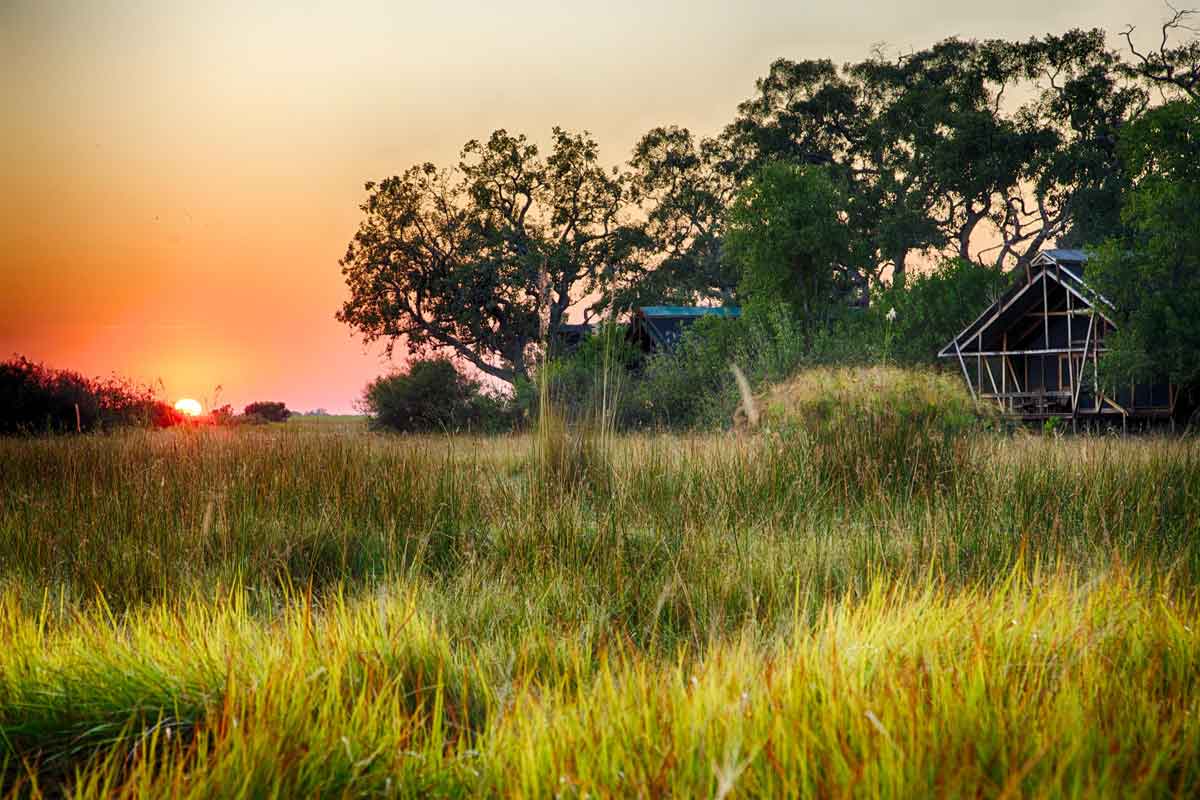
(690, 311)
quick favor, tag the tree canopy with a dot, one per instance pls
(486, 259)
(828, 180)
(789, 241)
(1151, 273)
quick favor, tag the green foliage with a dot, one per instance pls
(431, 394)
(930, 310)
(596, 371)
(692, 386)
(787, 238)
(1152, 273)
(35, 398)
(479, 259)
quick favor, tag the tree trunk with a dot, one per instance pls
(898, 268)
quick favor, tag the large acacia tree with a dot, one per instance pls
(486, 259)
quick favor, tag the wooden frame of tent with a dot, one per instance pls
(1035, 352)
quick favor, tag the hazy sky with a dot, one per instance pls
(178, 181)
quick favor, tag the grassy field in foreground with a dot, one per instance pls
(870, 597)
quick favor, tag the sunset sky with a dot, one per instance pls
(178, 180)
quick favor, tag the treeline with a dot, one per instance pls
(35, 398)
(810, 210)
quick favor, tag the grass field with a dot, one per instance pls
(874, 596)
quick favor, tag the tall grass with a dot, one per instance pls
(882, 597)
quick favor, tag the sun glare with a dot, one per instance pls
(188, 406)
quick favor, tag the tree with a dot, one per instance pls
(485, 260)
(809, 113)
(936, 154)
(1169, 66)
(35, 398)
(1151, 273)
(271, 411)
(915, 321)
(787, 235)
(683, 187)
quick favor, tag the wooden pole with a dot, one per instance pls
(1004, 367)
(78, 421)
(1045, 325)
(1046, 321)
(1070, 359)
(992, 380)
(966, 375)
(1087, 341)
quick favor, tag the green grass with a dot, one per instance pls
(886, 601)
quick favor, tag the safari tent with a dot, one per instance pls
(659, 327)
(1035, 351)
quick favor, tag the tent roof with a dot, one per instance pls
(690, 311)
(1069, 274)
(663, 325)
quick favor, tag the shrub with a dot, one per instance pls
(431, 395)
(693, 385)
(590, 377)
(930, 310)
(269, 411)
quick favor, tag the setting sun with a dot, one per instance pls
(190, 407)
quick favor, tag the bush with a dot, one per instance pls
(35, 398)
(590, 376)
(269, 411)
(431, 395)
(689, 386)
(693, 385)
(930, 310)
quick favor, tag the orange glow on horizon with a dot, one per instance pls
(189, 407)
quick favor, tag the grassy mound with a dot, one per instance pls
(879, 427)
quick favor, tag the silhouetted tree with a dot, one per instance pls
(268, 410)
(1169, 66)
(486, 259)
(35, 398)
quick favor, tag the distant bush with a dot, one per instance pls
(432, 395)
(692, 386)
(268, 411)
(35, 398)
(689, 386)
